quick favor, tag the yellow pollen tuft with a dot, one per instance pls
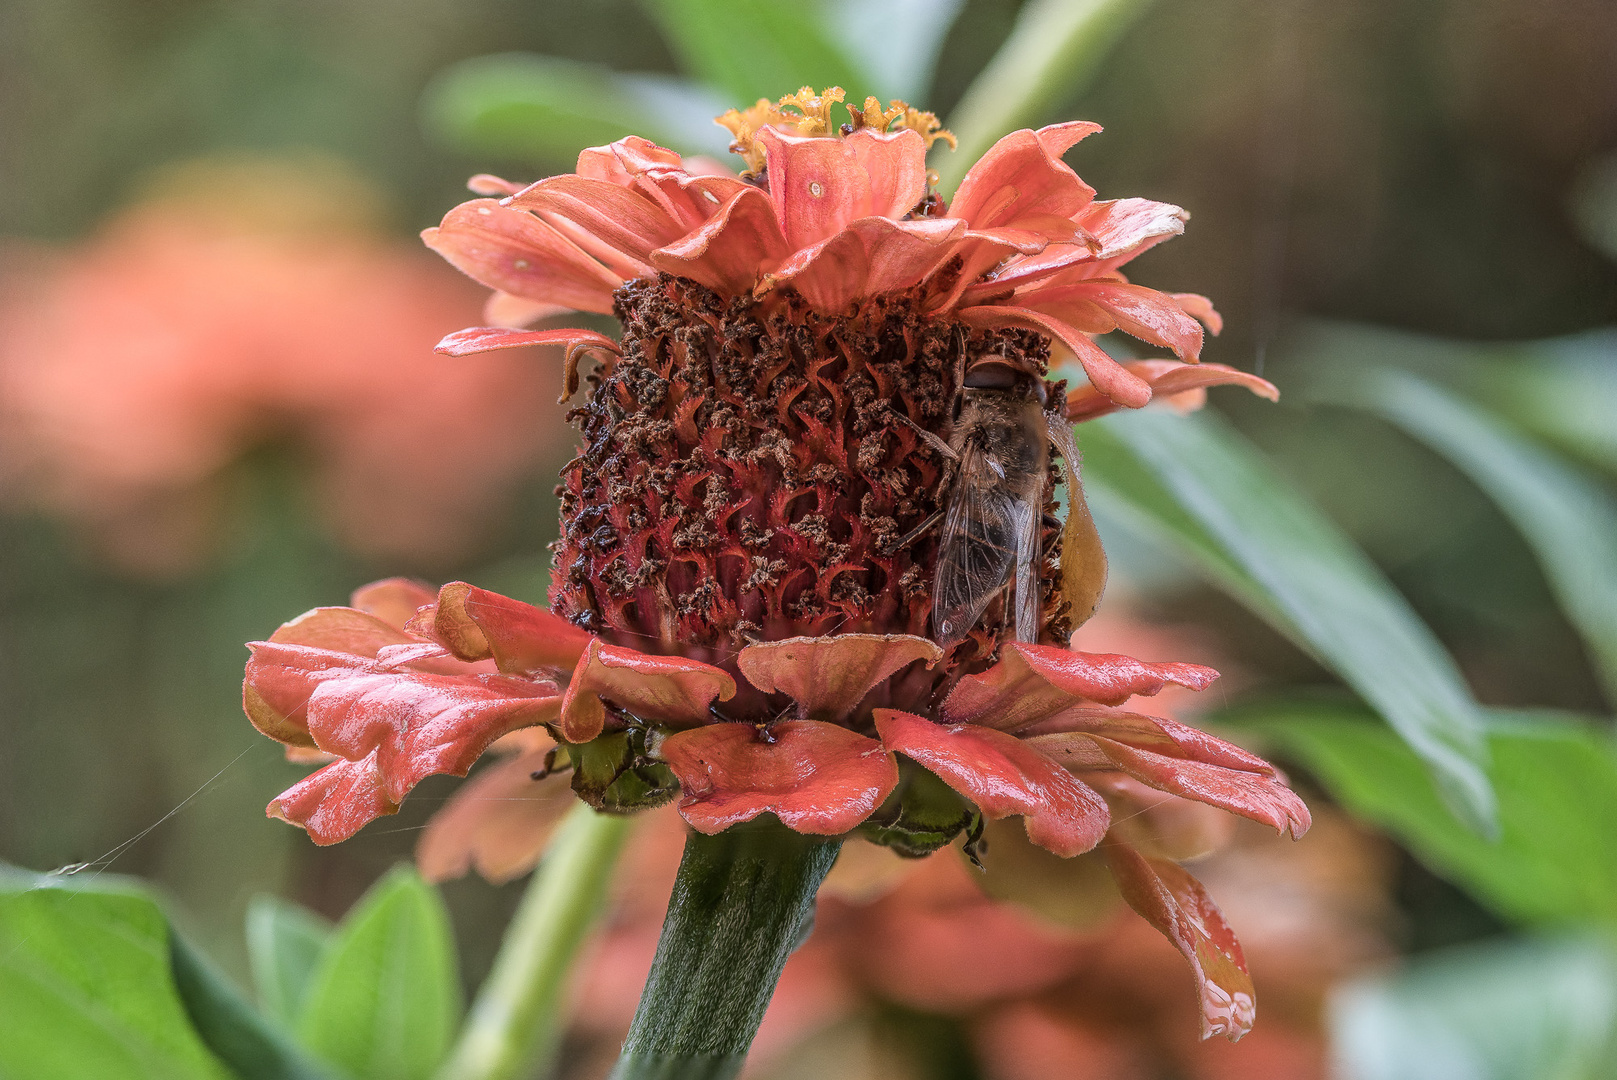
(809, 113)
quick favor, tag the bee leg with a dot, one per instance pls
(920, 530)
(927, 437)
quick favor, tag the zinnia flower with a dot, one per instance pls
(742, 605)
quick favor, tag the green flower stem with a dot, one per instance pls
(743, 901)
(515, 1024)
(1053, 53)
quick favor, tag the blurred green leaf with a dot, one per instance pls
(385, 999)
(1555, 862)
(1567, 516)
(252, 1047)
(1195, 482)
(751, 49)
(1518, 1010)
(901, 49)
(284, 945)
(86, 989)
(545, 110)
(1053, 53)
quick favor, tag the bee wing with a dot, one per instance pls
(975, 549)
(1083, 561)
(1026, 597)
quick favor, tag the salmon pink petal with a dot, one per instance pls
(736, 246)
(515, 252)
(498, 821)
(1032, 683)
(1121, 229)
(622, 161)
(895, 162)
(478, 339)
(620, 217)
(817, 778)
(343, 630)
(828, 676)
(335, 802)
(818, 185)
(393, 600)
(1166, 379)
(1146, 313)
(1057, 139)
(491, 186)
(1254, 793)
(1177, 905)
(1155, 733)
(1019, 175)
(871, 256)
(1108, 376)
(670, 689)
(281, 677)
(1003, 776)
(1200, 308)
(522, 639)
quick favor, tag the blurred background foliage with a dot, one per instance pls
(1406, 211)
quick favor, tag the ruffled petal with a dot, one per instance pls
(1121, 229)
(1167, 378)
(1023, 174)
(334, 803)
(618, 216)
(733, 249)
(828, 676)
(817, 778)
(670, 689)
(1003, 776)
(476, 624)
(1146, 313)
(407, 724)
(393, 600)
(515, 252)
(1177, 905)
(622, 161)
(871, 256)
(1194, 765)
(1201, 309)
(1107, 375)
(818, 185)
(343, 630)
(500, 820)
(1032, 683)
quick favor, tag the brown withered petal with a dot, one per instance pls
(1032, 683)
(827, 676)
(1003, 775)
(816, 777)
(1177, 905)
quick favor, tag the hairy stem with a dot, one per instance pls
(743, 901)
(514, 1025)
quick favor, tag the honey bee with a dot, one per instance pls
(993, 520)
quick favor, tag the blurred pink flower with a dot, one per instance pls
(137, 366)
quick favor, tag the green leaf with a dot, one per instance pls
(1516, 1010)
(751, 49)
(1194, 482)
(244, 1040)
(545, 110)
(284, 945)
(86, 989)
(385, 999)
(1555, 862)
(1053, 53)
(1566, 515)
